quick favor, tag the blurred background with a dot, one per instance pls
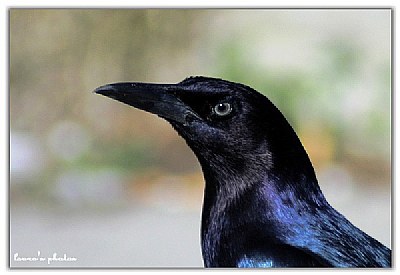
(113, 186)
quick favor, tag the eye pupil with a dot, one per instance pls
(222, 109)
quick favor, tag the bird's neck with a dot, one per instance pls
(223, 186)
(233, 190)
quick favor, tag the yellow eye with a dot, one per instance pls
(222, 109)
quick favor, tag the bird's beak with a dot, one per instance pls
(159, 99)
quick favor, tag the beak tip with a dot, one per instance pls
(104, 90)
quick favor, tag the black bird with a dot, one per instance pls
(263, 206)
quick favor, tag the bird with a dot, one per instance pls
(262, 204)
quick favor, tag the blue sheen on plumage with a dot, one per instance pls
(255, 262)
(262, 203)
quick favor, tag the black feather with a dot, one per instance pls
(262, 203)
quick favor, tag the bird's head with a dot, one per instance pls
(224, 123)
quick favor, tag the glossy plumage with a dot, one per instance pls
(262, 203)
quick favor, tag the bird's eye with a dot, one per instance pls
(222, 109)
